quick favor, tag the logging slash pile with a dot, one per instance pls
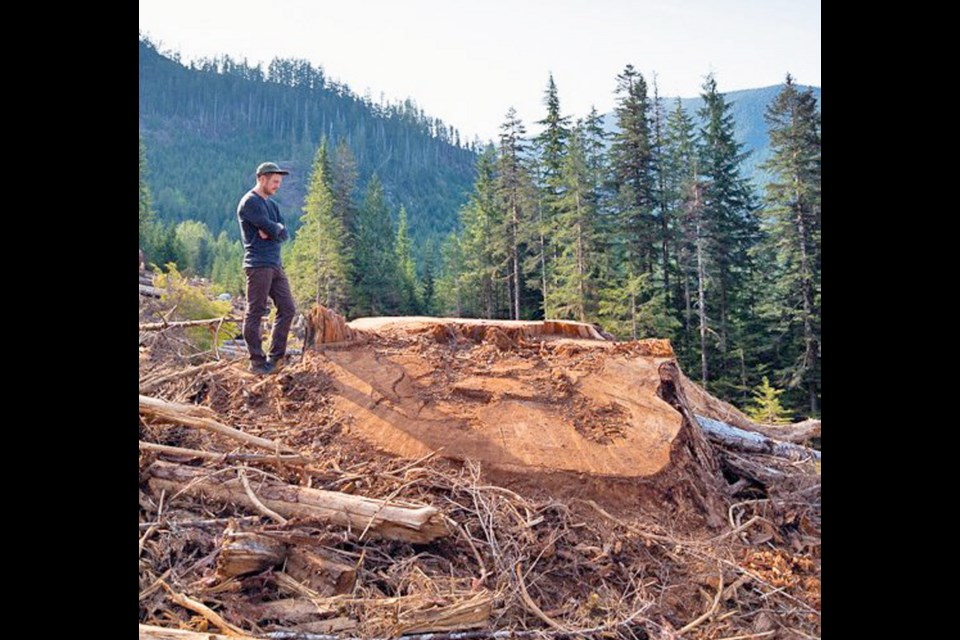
(466, 479)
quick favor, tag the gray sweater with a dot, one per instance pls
(256, 213)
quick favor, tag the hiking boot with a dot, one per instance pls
(261, 368)
(277, 362)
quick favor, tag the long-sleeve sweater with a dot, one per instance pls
(256, 213)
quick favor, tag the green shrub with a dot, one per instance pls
(192, 302)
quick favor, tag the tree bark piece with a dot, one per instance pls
(242, 553)
(410, 524)
(201, 418)
(753, 442)
(326, 577)
(325, 326)
(289, 611)
(332, 626)
(705, 468)
(417, 614)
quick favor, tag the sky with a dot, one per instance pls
(467, 62)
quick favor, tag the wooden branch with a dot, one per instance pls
(169, 524)
(160, 326)
(199, 418)
(262, 508)
(198, 607)
(411, 524)
(532, 606)
(149, 385)
(752, 442)
(755, 471)
(709, 612)
(219, 457)
(150, 632)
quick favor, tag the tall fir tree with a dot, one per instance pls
(407, 271)
(344, 185)
(792, 215)
(551, 147)
(630, 229)
(575, 267)
(731, 228)
(428, 284)
(319, 262)
(682, 203)
(375, 282)
(631, 164)
(449, 298)
(481, 278)
(512, 190)
(661, 203)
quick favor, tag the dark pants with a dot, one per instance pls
(263, 282)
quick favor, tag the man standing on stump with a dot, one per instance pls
(262, 231)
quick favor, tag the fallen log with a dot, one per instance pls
(200, 418)
(410, 524)
(704, 404)
(752, 442)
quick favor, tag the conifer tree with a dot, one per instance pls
(319, 261)
(482, 274)
(575, 291)
(792, 213)
(551, 145)
(375, 290)
(680, 201)
(407, 272)
(766, 407)
(631, 164)
(730, 226)
(512, 183)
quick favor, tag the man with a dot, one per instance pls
(262, 232)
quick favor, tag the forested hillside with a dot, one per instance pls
(207, 125)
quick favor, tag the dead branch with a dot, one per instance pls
(413, 524)
(160, 326)
(199, 418)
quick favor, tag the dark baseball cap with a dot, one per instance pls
(271, 167)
